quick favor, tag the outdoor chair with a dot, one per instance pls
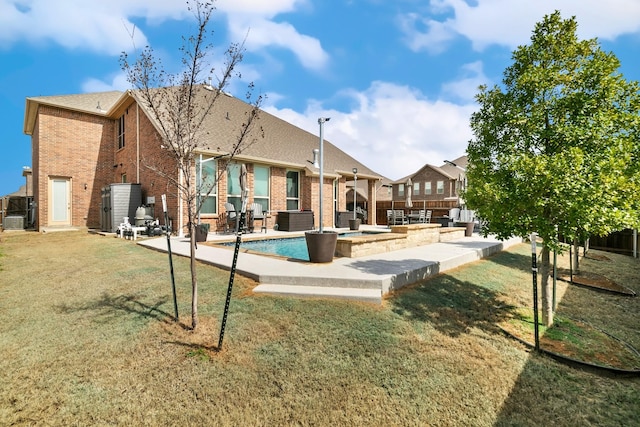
(233, 218)
(427, 217)
(399, 217)
(259, 214)
(454, 216)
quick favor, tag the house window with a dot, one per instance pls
(123, 178)
(261, 186)
(121, 132)
(206, 182)
(427, 188)
(416, 188)
(440, 187)
(234, 195)
(401, 190)
(293, 190)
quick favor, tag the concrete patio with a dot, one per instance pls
(368, 278)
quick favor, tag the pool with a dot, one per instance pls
(291, 247)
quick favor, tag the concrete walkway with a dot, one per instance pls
(367, 278)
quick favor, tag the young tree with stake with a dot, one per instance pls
(179, 105)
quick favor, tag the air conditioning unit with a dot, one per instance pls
(13, 222)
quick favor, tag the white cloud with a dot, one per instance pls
(106, 27)
(394, 129)
(265, 34)
(466, 87)
(118, 82)
(510, 22)
(269, 8)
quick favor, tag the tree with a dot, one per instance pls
(556, 149)
(179, 105)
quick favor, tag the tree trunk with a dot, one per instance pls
(576, 256)
(194, 277)
(547, 289)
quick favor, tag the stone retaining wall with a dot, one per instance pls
(400, 237)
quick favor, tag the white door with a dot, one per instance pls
(60, 198)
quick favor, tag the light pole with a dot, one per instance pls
(321, 122)
(355, 184)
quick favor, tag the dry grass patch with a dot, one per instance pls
(87, 338)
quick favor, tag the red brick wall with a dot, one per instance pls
(75, 146)
(84, 148)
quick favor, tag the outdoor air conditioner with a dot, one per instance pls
(13, 222)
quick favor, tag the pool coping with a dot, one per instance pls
(368, 278)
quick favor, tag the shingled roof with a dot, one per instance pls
(283, 144)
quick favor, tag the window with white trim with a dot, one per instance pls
(121, 132)
(440, 187)
(293, 190)
(206, 182)
(261, 186)
(234, 194)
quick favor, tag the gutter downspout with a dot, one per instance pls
(137, 143)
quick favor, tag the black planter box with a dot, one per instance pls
(295, 220)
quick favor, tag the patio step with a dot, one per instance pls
(366, 295)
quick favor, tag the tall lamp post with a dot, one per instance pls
(319, 163)
(355, 185)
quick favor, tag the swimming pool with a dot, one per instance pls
(291, 247)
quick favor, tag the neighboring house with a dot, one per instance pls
(383, 193)
(18, 206)
(83, 143)
(433, 187)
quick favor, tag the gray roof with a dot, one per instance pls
(283, 143)
(447, 170)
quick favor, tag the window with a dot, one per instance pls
(121, 132)
(427, 188)
(440, 187)
(293, 190)
(261, 186)
(416, 188)
(123, 177)
(234, 195)
(206, 182)
(401, 190)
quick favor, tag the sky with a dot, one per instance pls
(397, 78)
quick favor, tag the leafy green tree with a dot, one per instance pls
(556, 149)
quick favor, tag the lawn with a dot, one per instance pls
(87, 338)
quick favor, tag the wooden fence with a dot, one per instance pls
(619, 242)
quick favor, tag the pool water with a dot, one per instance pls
(292, 247)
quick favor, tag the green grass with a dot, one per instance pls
(87, 338)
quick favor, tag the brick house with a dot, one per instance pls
(82, 143)
(433, 187)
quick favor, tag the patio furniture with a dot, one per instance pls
(295, 220)
(454, 216)
(233, 218)
(419, 216)
(258, 213)
(398, 217)
(427, 217)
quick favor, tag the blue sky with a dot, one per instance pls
(396, 77)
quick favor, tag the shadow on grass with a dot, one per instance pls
(131, 304)
(512, 260)
(452, 306)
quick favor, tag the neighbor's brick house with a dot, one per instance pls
(81, 143)
(437, 188)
